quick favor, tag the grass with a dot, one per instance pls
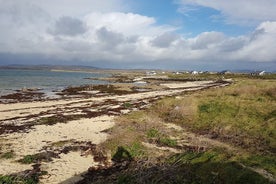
(215, 166)
(127, 105)
(266, 162)
(22, 179)
(155, 136)
(242, 115)
(28, 159)
(206, 76)
(132, 130)
(152, 133)
(166, 141)
(12, 179)
(8, 155)
(245, 111)
(43, 156)
(129, 152)
(212, 166)
(127, 135)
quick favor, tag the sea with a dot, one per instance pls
(46, 81)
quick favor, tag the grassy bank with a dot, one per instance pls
(238, 121)
(242, 114)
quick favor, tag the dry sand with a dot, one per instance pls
(67, 165)
(187, 84)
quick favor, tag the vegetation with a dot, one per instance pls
(128, 105)
(28, 159)
(216, 76)
(25, 177)
(16, 179)
(242, 116)
(8, 155)
(43, 156)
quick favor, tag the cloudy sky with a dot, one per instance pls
(169, 34)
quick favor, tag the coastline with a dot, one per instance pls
(72, 124)
(46, 81)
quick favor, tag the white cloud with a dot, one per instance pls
(237, 11)
(127, 23)
(206, 40)
(262, 47)
(74, 8)
(122, 38)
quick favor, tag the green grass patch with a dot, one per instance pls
(153, 133)
(128, 105)
(43, 156)
(8, 155)
(34, 179)
(215, 167)
(267, 162)
(129, 152)
(28, 159)
(212, 166)
(136, 150)
(21, 179)
(242, 114)
(159, 138)
(166, 141)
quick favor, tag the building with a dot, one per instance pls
(194, 72)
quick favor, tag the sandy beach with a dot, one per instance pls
(65, 128)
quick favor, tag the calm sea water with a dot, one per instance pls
(48, 81)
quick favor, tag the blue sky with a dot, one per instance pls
(192, 22)
(168, 34)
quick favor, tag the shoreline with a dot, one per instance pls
(48, 127)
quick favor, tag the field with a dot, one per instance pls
(219, 135)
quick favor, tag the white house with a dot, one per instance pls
(258, 73)
(262, 73)
(194, 72)
(151, 73)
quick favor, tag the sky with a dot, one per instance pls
(163, 34)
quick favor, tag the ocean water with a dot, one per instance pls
(46, 80)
